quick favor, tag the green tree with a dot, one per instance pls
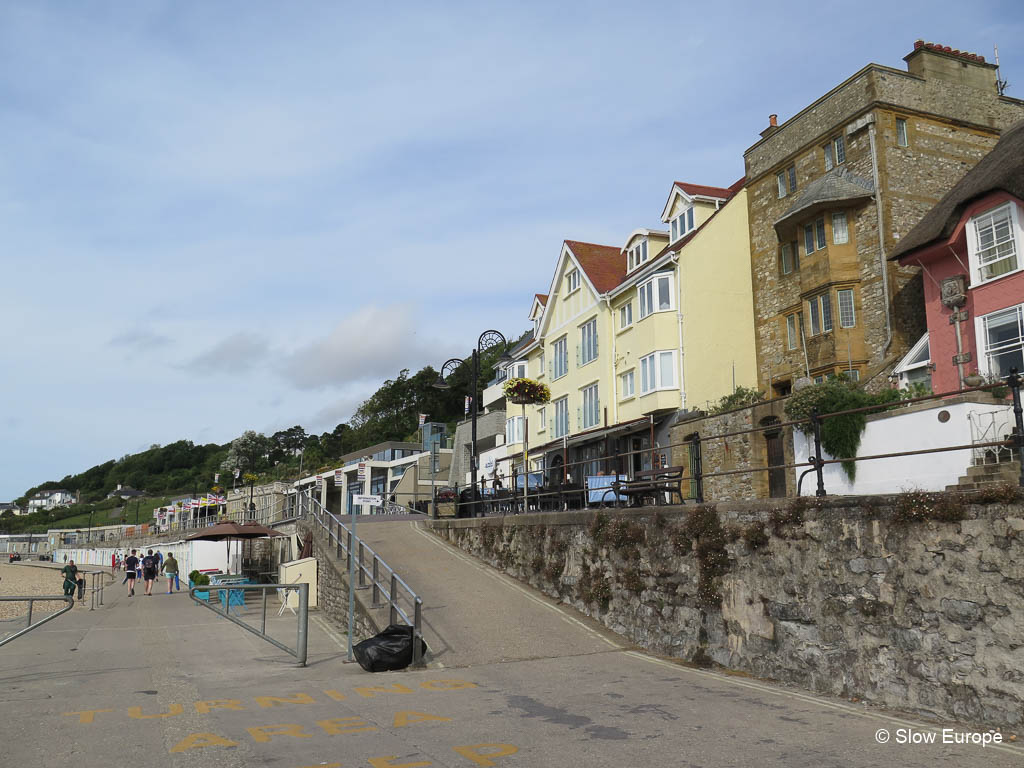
(248, 453)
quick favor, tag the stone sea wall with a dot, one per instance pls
(914, 602)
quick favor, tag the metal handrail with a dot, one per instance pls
(32, 599)
(345, 545)
(299, 652)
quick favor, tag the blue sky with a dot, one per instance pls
(234, 215)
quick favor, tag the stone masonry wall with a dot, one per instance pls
(950, 127)
(736, 452)
(332, 592)
(845, 599)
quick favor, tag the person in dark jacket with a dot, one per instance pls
(150, 563)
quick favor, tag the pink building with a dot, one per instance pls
(970, 247)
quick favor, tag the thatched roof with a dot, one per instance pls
(1001, 169)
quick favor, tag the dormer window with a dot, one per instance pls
(682, 224)
(572, 281)
(637, 255)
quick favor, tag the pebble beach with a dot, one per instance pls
(28, 580)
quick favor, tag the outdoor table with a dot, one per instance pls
(230, 597)
(598, 485)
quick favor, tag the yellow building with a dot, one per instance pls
(627, 337)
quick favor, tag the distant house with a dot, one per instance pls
(125, 492)
(49, 499)
(10, 506)
(971, 249)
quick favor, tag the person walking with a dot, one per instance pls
(130, 564)
(70, 574)
(149, 565)
(171, 572)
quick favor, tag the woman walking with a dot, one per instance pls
(171, 572)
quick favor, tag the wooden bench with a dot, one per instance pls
(650, 483)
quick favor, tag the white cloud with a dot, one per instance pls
(372, 343)
(237, 353)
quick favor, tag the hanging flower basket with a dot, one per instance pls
(526, 391)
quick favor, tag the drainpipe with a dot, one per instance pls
(615, 380)
(679, 317)
(881, 238)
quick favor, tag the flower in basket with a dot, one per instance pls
(526, 391)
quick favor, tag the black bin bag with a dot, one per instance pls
(387, 651)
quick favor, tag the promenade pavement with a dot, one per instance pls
(514, 681)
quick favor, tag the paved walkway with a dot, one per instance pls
(525, 684)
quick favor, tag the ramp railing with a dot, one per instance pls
(389, 585)
(299, 651)
(32, 600)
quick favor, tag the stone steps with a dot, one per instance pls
(987, 474)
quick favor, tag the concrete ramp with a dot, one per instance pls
(473, 614)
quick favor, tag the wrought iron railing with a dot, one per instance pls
(563, 493)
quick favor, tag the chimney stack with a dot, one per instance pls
(942, 62)
(773, 126)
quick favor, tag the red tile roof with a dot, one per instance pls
(605, 265)
(677, 246)
(542, 298)
(704, 191)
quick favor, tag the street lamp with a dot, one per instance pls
(487, 340)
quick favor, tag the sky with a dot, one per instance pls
(247, 215)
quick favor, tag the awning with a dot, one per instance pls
(591, 435)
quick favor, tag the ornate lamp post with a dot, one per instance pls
(487, 340)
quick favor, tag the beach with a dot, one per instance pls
(28, 580)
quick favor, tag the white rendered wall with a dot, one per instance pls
(903, 432)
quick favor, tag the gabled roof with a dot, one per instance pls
(1000, 169)
(542, 298)
(604, 264)
(692, 191)
(526, 341)
(836, 186)
(737, 185)
(643, 232)
(702, 190)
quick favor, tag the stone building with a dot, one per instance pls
(831, 192)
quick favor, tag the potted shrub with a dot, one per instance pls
(197, 579)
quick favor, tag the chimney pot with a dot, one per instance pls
(773, 120)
